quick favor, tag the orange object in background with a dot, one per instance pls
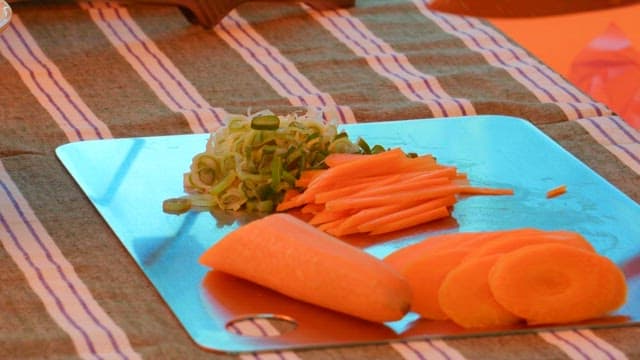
(609, 70)
(585, 49)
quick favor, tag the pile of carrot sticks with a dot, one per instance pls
(379, 193)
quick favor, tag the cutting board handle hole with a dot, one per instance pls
(261, 325)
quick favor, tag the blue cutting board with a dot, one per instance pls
(127, 180)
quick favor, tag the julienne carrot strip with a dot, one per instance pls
(393, 217)
(370, 165)
(474, 190)
(335, 159)
(416, 183)
(357, 189)
(350, 224)
(383, 199)
(329, 226)
(307, 176)
(556, 191)
(291, 203)
(326, 216)
(416, 219)
(312, 208)
(398, 187)
(358, 186)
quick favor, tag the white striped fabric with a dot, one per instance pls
(48, 86)
(154, 67)
(582, 345)
(427, 349)
(384, 60)
(260, 327)
(548, 86)
(617, 136)
(54, 280)
(276, 69)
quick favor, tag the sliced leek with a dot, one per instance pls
(252, 161)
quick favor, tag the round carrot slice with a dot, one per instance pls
(466, 298)
(555, 283)
(425, 275)
(512, 240)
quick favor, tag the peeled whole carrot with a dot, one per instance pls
(555, 283)
(466, 298)
(292, 257)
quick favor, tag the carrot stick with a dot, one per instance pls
(367, 165)
(474, 190)
(292, 257)
(326, 216)
(556, 191)
(312, 208)
(307, 176)
(293, 202)
(555, 283)
(416, 219)
(335, 159)
(415, 183)
(384, 199)
(442, 202)
(350, 224)
(355, 187)
(466, 298)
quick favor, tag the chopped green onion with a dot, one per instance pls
(265, 122)
(252, 161)
(376, 149)
(176, 206)
(364, 146)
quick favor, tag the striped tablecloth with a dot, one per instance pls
(74, 72)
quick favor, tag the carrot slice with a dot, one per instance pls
(513, 240)
(466, 298)
(425, 275)
(554, 283)
(556, 191)
(292, 257)
(402, 258)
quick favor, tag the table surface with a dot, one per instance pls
(74, 72)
